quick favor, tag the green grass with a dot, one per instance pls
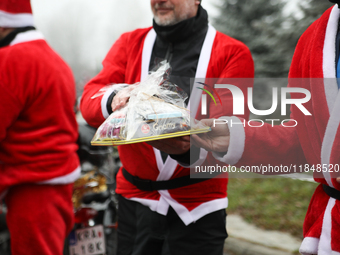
(272, 203)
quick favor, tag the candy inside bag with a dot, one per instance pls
(155, 110)
(112, 126)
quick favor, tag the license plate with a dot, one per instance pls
(87, 241)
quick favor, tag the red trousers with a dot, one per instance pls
(39, 218)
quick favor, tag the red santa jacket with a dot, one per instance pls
(128, 62)
(38, 129)
(316, 138)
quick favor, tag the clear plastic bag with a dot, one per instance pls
(155, 110)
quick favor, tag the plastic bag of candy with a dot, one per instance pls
(155, 110)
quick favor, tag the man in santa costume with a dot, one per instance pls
(38, 134)
(313, 143)
(161, 210)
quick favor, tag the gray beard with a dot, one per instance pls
(164, 23)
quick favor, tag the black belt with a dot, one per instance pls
(148, 185)
(334, 193)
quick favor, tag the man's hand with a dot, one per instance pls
(122, 97)
(216, 140)
(174, 146)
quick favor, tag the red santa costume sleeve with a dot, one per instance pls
(316, 138)
(114, 71)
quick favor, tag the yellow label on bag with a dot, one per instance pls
(112, 142)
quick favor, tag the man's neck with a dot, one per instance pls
(4, 31)
(5, 41)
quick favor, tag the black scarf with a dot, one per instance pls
(336, 2)
(9, 38)
(184, 29)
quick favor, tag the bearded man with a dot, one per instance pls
(161, 210)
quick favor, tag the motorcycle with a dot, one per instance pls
(94, 199)
(5, 248)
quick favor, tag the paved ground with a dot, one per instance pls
(246, 239)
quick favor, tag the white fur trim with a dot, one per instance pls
(159, 159)
(335, 253)
(16, 20)
(195, 99)
(208, 207)
(205, 54)
(104, 102)
(236, 143)
(202, 67)
(27, 36)
(309, 246)
(167, 170)
(146, 54)
(328, 140)
(331, 87)
(325, 237)
(329, 44)
(159, 206)
(331, 90)
(66, 179)
(163, 206)
(191, 216)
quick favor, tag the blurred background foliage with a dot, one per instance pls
(271, 203)
(270, 33)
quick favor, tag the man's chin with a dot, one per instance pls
(165, 21)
